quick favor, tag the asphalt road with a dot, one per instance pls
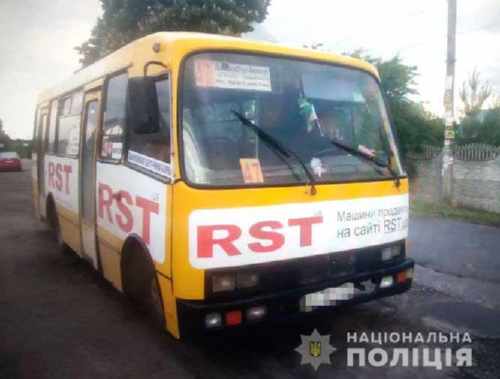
(457, 248)
(59, 319)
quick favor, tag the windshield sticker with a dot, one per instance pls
(317, 167)
(232, 76)
(116, 150)
(151, 164)
(74, 141)
(251, 170)
(308, 112)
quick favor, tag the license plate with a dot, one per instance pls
(327, 297)
(335, 295)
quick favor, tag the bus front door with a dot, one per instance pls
(88, 171)
(41, 145)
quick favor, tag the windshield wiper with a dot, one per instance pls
(277, 146)
(367, 157)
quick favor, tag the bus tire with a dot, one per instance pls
(140, 281)
(53, 222)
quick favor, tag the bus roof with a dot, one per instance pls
(175, 45)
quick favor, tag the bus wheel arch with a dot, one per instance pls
(139, 278)
(53, 222)
(50, 210)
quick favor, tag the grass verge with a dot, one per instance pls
(420, 208)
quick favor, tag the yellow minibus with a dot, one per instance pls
(221, 182)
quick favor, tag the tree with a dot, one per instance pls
(495, 101)
(4, 137)
(123, 21)
(414, 125)
(474, 93)
(480, 127)
(398, 79)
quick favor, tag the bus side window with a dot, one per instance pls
(42, 129)
(154, 148)
(35, 132)
(66, 106)
(38, 127)
(51, 144)
(114, 118)
(68, 126)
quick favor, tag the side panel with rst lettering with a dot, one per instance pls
(130, 202)
(242, 236)
(61, 179)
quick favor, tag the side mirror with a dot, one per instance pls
(142, 105)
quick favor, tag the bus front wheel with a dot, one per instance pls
(53, 221)
(140, 282)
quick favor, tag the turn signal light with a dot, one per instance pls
(403, 276)
(233, 318)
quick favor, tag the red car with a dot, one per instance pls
(10, 161)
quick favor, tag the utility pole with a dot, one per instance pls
(449, 104)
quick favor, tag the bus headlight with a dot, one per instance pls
(247, 279)
(391, 252)
(223, 283)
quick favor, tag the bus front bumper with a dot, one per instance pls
(200, 316)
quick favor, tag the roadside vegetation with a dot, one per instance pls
(22, 147)
(123, 21)
(420, 208)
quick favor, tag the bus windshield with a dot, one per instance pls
(312, 110)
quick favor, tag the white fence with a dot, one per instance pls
(476, 176)
(473, 152)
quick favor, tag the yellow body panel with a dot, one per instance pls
(169, 305)
(70, 227)
(178, 279)
(189, 282)
(174, 46)
(110, 247)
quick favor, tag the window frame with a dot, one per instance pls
(180, 104)
(65, 100)
(104, 99)
(53, 102)
(83, 130)
(164, 179)
(61, 100)
(43, 132)
(35, 131)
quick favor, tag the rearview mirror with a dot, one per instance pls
(142, 105)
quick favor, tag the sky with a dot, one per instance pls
(37, 40)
